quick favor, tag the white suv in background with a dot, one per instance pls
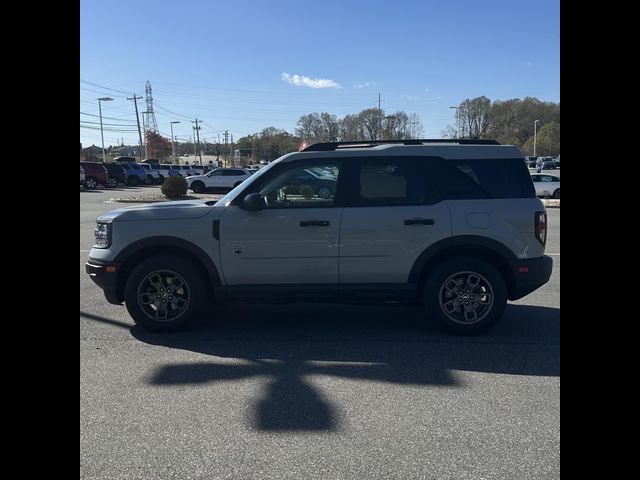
(453, 225)
(546, 185)
(218, 178)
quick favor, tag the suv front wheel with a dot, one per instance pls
(163, 293)
(465, 294)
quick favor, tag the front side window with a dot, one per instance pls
(307, 186)
(215, 173)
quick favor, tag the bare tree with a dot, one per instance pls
(371, 120)
(350, 128)
(474, 117)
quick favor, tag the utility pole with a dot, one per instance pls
(218, 151)
(226, 139)
(197, 129)
(135, 102)
(233, 152)
(379, 118)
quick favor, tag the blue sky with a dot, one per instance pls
(248, 64)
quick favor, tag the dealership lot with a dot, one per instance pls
(318, 391)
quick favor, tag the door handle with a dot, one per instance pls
(419, 221)
(318, 223)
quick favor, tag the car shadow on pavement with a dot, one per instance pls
(288, 344)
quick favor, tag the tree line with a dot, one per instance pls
(369, 124)
(510, 122)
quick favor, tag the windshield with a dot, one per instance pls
(226, 200)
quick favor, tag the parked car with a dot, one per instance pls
(116, 174)
(198, 169)
(454, 227)
(531, 162)
(546, 185)
(218, 178)
(95, 174)
(167, 171)
(153, 174)
(135, 174)
(81, 176)
(176, 171)
(187, 170)
(547, 163)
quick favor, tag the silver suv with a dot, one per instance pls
(453, 225)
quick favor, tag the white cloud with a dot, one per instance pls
(365, 84)
(528, 64)
(302, 81)
(410, 97)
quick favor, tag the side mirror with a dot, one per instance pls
(253, 202)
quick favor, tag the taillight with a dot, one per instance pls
(540, 221)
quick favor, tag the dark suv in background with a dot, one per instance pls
(95, 174)
(116, 174)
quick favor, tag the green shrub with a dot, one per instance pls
(174, 187)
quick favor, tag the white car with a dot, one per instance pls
(546, 185)
(153, 174)
(218, 178)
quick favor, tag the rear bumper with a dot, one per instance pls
(529, 275)
(105, 278)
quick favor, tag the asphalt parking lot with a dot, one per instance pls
(317, 391)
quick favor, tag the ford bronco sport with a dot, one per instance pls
(453, 225)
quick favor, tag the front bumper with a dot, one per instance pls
(529, 275)
(105, 275)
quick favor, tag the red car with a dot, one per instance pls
(95, 174)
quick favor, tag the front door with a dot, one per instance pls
(295, 239)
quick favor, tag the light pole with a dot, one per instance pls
(535, 134)
(173, 147)
(457, 120)
(102, 99)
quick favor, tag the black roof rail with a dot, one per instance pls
(328, 146)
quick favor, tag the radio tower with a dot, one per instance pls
(149, 118)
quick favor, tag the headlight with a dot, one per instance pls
(102, 235)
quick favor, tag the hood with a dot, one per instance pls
(183, 209)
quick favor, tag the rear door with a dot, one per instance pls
(392, 214)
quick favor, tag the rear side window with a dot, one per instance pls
(393, 181)
(484, 178)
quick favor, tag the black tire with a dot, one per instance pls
(133, 180)
(111, 182)
(556, 194)
(91, 183)
(484, 282)
(197, 186)
(144, 285)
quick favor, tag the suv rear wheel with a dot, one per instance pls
(465, 294)
(91, 182)
(164, 292)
